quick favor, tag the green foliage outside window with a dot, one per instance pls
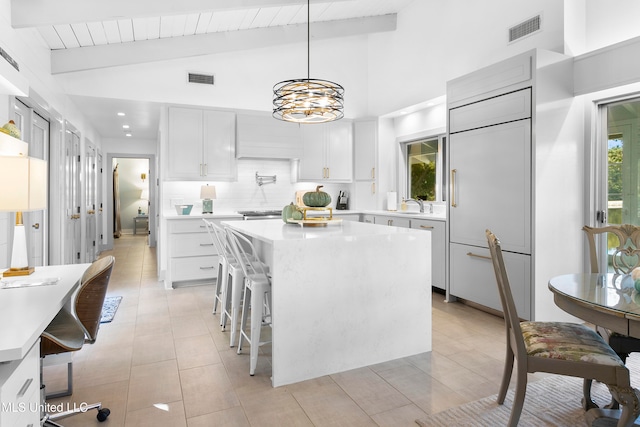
(423, 179)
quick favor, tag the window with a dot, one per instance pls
(424, 174)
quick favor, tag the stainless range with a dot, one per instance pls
(266, 214)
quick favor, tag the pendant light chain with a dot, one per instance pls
(307, 100)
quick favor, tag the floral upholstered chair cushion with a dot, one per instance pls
(549, 339)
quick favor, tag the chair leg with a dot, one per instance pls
(217, 297)
(236, 295)
(587, 401)
(518, 397)
(257, 305)
(506, 375)
(245, 312)
(226, 299)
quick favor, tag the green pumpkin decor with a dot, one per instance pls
(287, 212)
(316, 199)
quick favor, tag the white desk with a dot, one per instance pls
(26, 312)
(343, 296)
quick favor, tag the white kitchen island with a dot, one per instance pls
(344, 296)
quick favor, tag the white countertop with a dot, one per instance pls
(272, 230)
(228, 214)
(401, 214)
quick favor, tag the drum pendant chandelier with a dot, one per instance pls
(308, 100)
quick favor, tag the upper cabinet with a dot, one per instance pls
(201, 144)
(262, 136)
(366, 137)
(327, 152)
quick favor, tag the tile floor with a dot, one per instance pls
(164, 361)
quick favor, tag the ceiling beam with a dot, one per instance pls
(103, 56)
(38, 13)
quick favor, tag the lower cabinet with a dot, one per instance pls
(438, 249)
(392, 220)
(473, 278)
(20, 390)
(192, 255)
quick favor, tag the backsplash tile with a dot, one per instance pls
(245, 193)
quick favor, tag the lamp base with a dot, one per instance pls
(18, 271)
(207, 206)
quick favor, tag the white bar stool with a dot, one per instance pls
(257, 294)
(229, 282)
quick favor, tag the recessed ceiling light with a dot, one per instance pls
(125, 126)
(127, 134)
(121, 114)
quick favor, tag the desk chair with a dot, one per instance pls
(70, 330)
(561, 348)
(257, 294)
(625, 257)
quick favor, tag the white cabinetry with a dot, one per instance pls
(327, 152)
(201, 144)
(20, 390)
(192, 255)
(392, 221)
(262, 136)
(365, 173)
(509, 167)
(438, 249)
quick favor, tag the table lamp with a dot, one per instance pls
(24, 189)
(207, 194)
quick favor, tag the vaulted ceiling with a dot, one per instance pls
(89, 34)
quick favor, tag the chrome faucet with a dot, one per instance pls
(419, 202)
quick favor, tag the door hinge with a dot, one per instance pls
(78, 158)
(78, 255)
(601, 217)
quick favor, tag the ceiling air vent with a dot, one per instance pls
(205, 79)
(524, 29)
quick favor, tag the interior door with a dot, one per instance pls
(99, 202)
(90, 203)
(72, 197)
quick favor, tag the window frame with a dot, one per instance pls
(441, 173)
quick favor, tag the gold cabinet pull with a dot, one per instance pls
(479, 256)
(373, 188)
(373, 173)
(453, 188)
(328, 173)
(207, 268)
(427, 227)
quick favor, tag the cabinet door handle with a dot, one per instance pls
(479, 256)
(207, 268)
(373, 188)
(389, 222)
(427, 227)
(24, 388)
(373, 173)
(206, 244)
(453, 188)
(328, 173)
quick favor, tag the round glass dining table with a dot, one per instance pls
(607, 300)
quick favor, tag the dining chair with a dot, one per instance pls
(624, 257)
(257, 295)
(73, 328)
(563, 348)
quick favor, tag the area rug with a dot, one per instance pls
(551, 401)
(109, 309)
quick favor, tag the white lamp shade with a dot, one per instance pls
(24, 184)
(208, 192)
